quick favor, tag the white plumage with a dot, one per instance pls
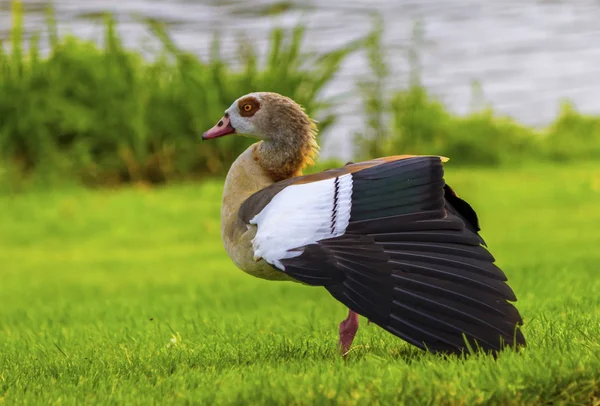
(300, 215)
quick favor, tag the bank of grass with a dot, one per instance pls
(128, 297)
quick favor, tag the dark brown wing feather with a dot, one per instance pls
(457, 206)
(462, 209)
(412, 262)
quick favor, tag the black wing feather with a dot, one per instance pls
(412, 262)
(462, 209)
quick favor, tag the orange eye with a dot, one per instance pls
(247, 107)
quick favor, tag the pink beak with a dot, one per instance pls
(223, 127)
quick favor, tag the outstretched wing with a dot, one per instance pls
(395, 244)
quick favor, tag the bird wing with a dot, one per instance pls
(390, 240)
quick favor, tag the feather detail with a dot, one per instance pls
(300, 215)
(411, 261)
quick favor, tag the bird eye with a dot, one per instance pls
(247, 107)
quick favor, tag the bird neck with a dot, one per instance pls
(287, 154)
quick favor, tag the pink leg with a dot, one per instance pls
(348, 330)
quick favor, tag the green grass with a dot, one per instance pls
(127, 296)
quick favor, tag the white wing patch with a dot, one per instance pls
(300, 215)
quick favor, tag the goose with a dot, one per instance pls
(386, 237)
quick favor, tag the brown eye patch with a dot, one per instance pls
(248, 106)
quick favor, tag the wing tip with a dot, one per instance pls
(471, 346)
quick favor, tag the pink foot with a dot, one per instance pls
(348, 329)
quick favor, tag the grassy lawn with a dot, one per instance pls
(127, 296)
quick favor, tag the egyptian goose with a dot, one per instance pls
(386, 237)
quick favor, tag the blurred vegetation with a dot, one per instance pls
(107, 115)
(420, 124)
(412, 121)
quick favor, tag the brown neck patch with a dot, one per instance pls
(248, 106)
(283, 162)
(289, 143)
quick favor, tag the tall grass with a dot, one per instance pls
(420, 124)
(106, 114)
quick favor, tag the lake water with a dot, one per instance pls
(526, 54)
